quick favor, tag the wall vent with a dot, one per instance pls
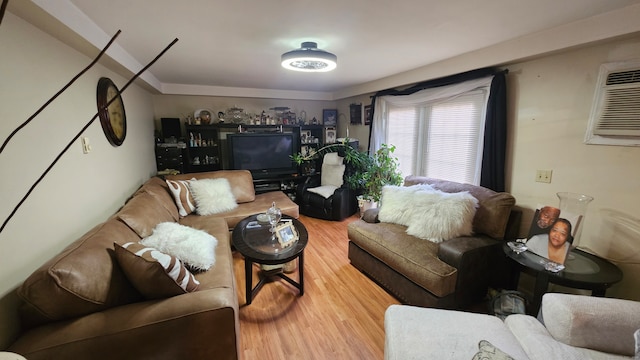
(615, 114)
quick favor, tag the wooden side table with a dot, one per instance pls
(582, 271)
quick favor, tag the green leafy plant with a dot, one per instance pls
(366, 174)
(382, 169)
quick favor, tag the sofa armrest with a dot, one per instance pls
(602, 324)
(470, 255)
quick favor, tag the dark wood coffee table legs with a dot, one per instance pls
(268, 275)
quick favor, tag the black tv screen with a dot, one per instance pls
(264, 154)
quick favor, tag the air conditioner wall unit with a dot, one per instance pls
(615, 114)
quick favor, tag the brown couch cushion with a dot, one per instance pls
(260, 205)
(143, 212)
(155, 274)
(241, 182)
(159, 189)
(82, 279)
(494, 208)
(415, 258)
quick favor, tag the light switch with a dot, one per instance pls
(543, 176)
(86, 146)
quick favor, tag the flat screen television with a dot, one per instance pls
(264, 154)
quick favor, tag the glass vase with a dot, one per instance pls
(573, 207)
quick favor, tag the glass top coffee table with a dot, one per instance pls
(253, 240)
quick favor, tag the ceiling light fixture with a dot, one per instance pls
(309, 59)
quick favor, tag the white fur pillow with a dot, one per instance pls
(395, 200)
(437, 216)
(325, 191)
(212, 196)
(332, 170)
(194, 247)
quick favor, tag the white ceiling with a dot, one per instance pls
(235, 46)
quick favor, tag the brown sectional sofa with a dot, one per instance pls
(80, 305)
(450, 274)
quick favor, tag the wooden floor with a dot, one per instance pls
(340, 315)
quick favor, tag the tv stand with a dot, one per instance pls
(286, 183)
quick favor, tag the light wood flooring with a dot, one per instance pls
(340, 315)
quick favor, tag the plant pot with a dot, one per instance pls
(366, 204)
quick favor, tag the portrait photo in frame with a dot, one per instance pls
(551, 233)
(329, 116)
(330, 135)
(286, 234)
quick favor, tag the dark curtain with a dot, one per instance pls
(495, 137)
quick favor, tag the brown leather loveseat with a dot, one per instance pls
(450, 274)
(80, 305)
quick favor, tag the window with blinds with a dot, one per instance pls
(441, 139)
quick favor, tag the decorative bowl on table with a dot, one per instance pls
(517, 246)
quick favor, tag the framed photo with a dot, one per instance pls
(330, 135)
(355, 112)
(368, 115)
(330, 116)
(286, 234)
(551, 234)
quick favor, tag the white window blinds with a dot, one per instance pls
(440, 132)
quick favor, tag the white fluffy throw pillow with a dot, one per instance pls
(212, 196)
(395, 203)
(194, 247)
(437, 216)
(325, 191)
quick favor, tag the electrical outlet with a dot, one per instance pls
(543, 176)
(86, 146)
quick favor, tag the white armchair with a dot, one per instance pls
(571, 327)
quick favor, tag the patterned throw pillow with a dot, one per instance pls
(182, 196)
(154, 274)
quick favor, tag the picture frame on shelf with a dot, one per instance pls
(329, 135)
(329, 116)
(287, 234)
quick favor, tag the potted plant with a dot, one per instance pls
(367, 174)
(380, 169)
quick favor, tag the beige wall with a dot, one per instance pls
(549, 105)
(81, 190)
(179, 106)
